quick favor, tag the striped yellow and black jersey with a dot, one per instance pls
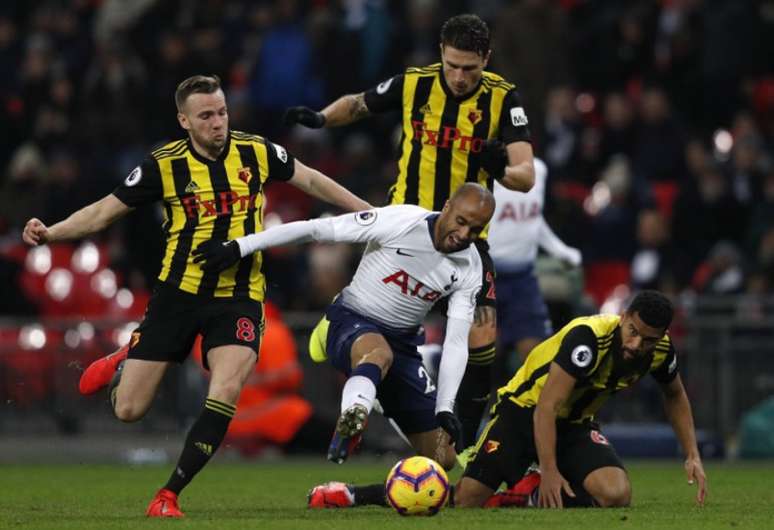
(209, 199)
(442, 135)
(589, 349)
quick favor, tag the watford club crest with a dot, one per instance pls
(474, 116)
(244, 174)
(491, 446)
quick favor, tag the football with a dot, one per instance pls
(417, 486)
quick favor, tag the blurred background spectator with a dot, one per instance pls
(656, 119)
(657, 105)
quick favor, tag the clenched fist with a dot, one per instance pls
(35, 232)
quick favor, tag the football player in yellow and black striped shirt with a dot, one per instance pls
(459, 124)
(211, 187)
(546, 413)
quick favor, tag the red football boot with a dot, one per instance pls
(331, 495)
(523, 494)
(100, 372)
(164, 504)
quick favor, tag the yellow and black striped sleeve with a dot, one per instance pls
(667, 370)
(386, 96)
(577, 354)
(142, 185)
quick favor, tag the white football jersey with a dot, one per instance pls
(518, 227)
(514, 231)
(401, 274)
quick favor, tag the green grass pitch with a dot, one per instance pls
(273, 495)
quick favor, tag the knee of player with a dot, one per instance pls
(466, 496)
(615, 494)
(127, 411)
(382, 357)
(226, 391)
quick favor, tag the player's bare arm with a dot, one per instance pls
(345, 110)
(484, 316)
(557, 389)
(318, 185)
(678, 410)
(87, 220)
(520, 169)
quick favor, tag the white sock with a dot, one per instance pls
(358, 390)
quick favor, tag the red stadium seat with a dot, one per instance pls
(15, 252)
(602, 277)
(128, 305)
(570, 191)
(38, 264)
(28, 369)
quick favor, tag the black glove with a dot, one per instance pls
(305, 116)
(452, 425)
(217, 256)
(494, 158)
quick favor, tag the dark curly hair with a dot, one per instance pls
(466, 32)
(653, 308)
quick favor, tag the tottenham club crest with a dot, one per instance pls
(453, 278)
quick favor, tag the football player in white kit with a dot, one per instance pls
(515, 233)
(371, 331)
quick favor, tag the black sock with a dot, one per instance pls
(371, 494)
(582, 498)
(472, 397)
(450, 500)
(201, 443)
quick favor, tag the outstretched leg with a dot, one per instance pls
(371, 358)
(432, 444)
(230, 366)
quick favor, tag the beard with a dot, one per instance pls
(212, 144)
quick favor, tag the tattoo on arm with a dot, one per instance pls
(357, 107)
(484, 315)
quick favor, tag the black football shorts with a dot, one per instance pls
(506, 448)
(174, 318)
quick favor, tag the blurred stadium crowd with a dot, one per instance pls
(656, 120)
